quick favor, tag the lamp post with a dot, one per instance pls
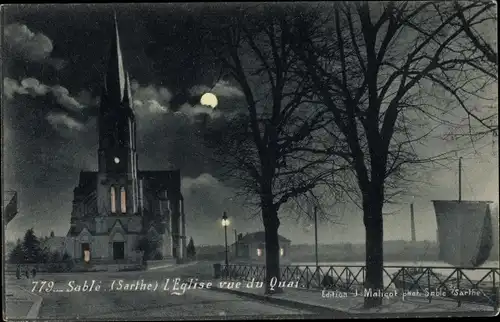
(412, 222)
(225, 223)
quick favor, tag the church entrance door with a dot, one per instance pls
(86, 252)
(118, 250)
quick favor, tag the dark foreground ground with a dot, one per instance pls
(117, 304)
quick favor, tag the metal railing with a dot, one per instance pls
(480, 285)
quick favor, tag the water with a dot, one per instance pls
(392, 267)
(488, 264)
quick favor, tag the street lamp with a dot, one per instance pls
(225, 223)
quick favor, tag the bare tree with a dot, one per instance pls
(266, 145)
(479, 32)
(475, 29)
(392, 75)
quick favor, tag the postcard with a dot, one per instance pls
(250, 160)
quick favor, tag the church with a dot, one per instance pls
(119, 209)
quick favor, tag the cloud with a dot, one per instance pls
(61, 119)
(194, 111)
(221, 88)
(29, 45)
(31, 86)
(65, 99)
(204, 180)
(34, 87)
(149, 107)
(85, 97)
(12, 87)
(151, 99)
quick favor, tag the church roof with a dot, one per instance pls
(169, 180)
(88, 178)
(162, 175)
(76, 230)
(259, 237)
(87, 182)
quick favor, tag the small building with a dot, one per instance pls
(251, 247)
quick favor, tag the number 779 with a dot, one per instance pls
(42, 286)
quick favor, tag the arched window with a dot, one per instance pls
(113, 199)
(123, 197)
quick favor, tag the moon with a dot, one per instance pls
(209, 99)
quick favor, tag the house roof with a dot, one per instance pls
(87, 182)
(76, 230)
(259, 237)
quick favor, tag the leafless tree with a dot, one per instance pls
(475, 30)
(392, 75)
(267, 145)
(480, 31)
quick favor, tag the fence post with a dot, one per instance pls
(363, 290)
(429, 283)
(347, 280)
(404, 280)
(319, 276)
(495, 292)
(459, 273)
(307, 277)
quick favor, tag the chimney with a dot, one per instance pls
(240, 236)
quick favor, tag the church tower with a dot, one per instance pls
(118, 208)
(118, 183)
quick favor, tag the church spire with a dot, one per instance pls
(127, 95)
(115, 81)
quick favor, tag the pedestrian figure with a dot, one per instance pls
(18, 271)
(27, 272)
(33, 272)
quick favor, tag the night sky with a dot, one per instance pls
(53, 74)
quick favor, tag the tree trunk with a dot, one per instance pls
(271, 225)
(374, 230)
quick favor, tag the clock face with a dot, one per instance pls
(117, 160)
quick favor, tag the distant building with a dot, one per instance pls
(252, 247)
